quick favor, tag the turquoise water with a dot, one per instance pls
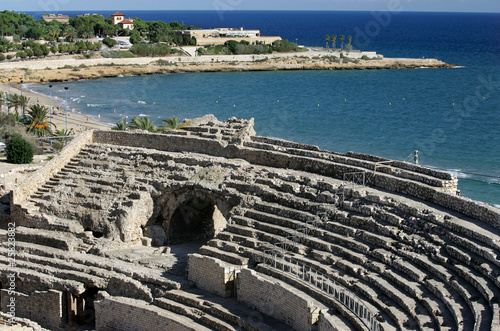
(451, 116)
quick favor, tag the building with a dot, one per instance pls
(119, 19)
(53, 17)
(88, 14)
(126, 24)
(220, 35)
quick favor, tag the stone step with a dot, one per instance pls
(226, 308)
(56, 239)
(318, 294)
(464, 319)
(100, 265)
(26, 263)
(275, 209)
(223, 255)
(44, 281)
(197, 315)
(161, 319)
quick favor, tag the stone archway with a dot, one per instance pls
(187, 215)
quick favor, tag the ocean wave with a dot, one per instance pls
(95, 104)
(496, 206)
(142, 115)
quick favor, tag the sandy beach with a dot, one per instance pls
(76, 122)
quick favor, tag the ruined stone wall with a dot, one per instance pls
(276, 299)
(211, 275)
(44, 307)
(23, 191)
(181, 143)
(119, 313)
(162, 142)
(327, 323)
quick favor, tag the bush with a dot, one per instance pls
(19, 151)
(109, 42)
(117, 54)
(2, 57)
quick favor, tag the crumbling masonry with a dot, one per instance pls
(283, 236)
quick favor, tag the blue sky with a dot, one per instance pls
(405, 5)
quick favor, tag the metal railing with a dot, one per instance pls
(325, 283)
(275, 257)
(355, 178)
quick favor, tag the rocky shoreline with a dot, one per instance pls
(73, 69)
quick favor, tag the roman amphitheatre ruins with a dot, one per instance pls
(214, 227)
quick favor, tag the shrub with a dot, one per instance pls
(19, 151)
(117, 54)
(109, 42)
(2, 57)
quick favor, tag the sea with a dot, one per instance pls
(450, 115)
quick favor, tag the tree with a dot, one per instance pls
(327, 37)
(21, 54)
(69, 33)
(13, 100)
(19, 151)
(349, 40)
(334, 40)
(37, 121)
(172, 123)
(342, 38)
(54, 49)
(135, 38)
(120, 126)
(29, 53)
(3, 99)
(45, 50)
(143, 123)
(23, 102)
(53, 31)
(38, 52)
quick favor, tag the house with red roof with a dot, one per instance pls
(119, 19)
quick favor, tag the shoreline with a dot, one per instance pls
(74, 68)
(77, 122)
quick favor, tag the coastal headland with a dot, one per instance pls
(73, 68)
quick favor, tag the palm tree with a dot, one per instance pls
(37, 122)
(120, 126)
(143, 123)
(342, 38)
(53, 31)
(2, 99)
(349, 39)
(23, 102)
(327, 37)
(64, 134)
(13, 100)
(69, 32)
(172, 123)
(334, 40)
